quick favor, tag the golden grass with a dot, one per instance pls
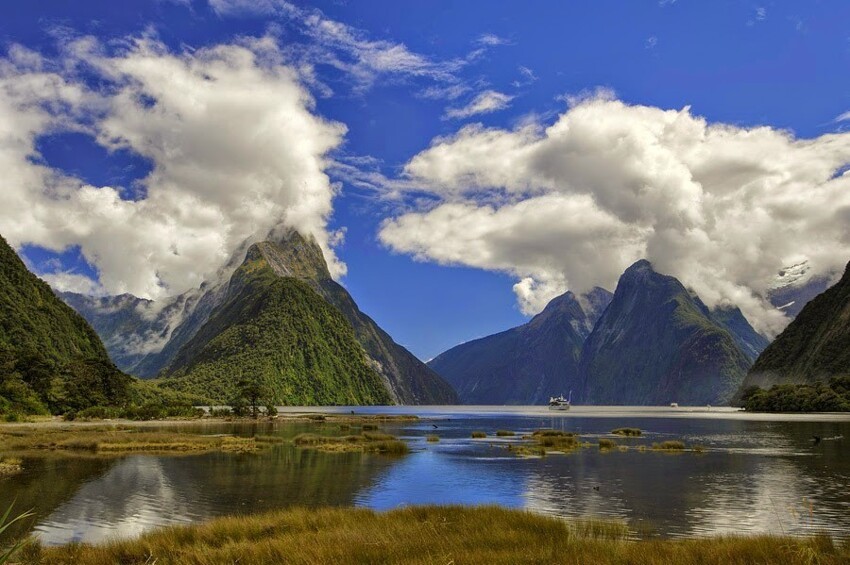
(367, 441)
(504, 433)
(431, 438)
(605, 443)
(669, 445)
(10, 466)
(119, 439)
(429, 534)
(479, 435)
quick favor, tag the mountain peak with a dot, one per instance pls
(639, 267)
(292, 255)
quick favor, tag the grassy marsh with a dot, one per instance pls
(428, 534)
(375, 442)
(118, 439)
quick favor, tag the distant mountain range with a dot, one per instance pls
(279, 318)
(651, 342)
(658, 343)
(529, 363)
(51, 360)
(814, 347)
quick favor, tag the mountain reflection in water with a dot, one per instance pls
(756, 475)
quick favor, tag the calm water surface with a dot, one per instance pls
(759, 473)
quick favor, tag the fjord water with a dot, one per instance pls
(757, 474)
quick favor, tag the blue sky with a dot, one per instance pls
(740, 63)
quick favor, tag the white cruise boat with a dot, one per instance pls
(559, 402)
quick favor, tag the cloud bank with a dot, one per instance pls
(572, 204)
(235, 146)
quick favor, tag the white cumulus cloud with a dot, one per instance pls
(230, 131)
(572, 204)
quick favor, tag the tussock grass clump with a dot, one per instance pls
(367, 441)
(479, 435)
(504, 433)
(605, 443)
(629, 432)
(428, 534)
(669, 445)
(431, 438)
(10, 466)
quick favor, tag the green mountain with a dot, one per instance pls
(280, 334)
(409, 380)
(814, 347)
(657, 343)
(50, 358)
(529, 363)
(146, 339)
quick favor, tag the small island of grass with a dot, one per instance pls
(628, 432)
(119, 440)
(374, 442)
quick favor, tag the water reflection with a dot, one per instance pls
(755, 476)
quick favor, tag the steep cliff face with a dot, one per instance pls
(656, 343)
(529, 363)
(277, 333)
(814, 346)
(409, 380)
(50, 357)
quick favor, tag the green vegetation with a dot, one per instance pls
(275, 341)
(429, 534)
(818, 397)
(6, 521)
(367, 441)
(504, 433)
(51, 360)
(479, 435)
(605, 443)
(628, 432)
(118, 439)
(669, 445)
(814, 346)
(431, 438)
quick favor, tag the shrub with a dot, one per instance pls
(432, 438)
(271, 411)
(479, 435)
(605, 443)
(504, 433)
(99, 413)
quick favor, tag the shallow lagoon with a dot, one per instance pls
(759, 473)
